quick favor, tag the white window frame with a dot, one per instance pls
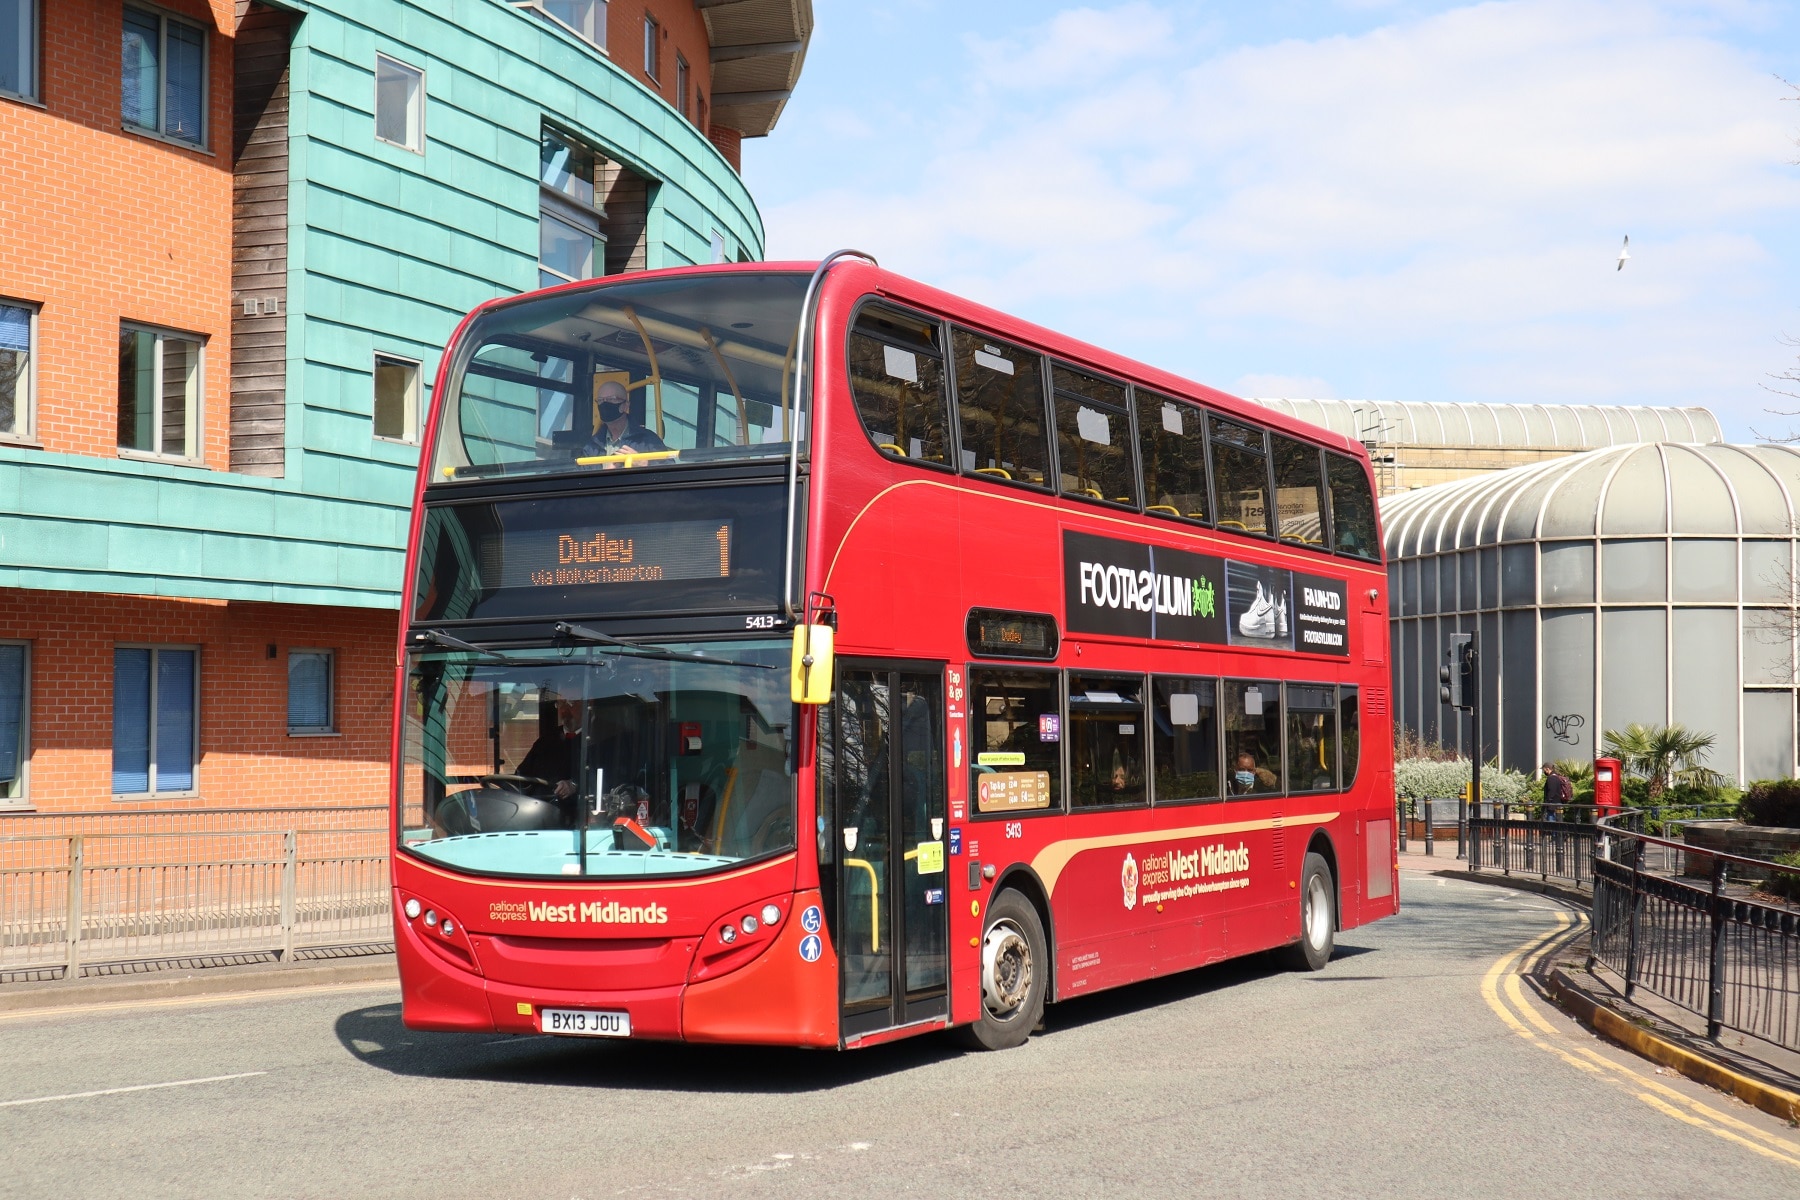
(196, 422)
(683, 74)
(415, 124)
(156, 648)
(23, 784)
(598, 43)
(163, 19)
(652, 48)
(330, 728)
(25, 413)
(716, 243)
(31, 53)
(410, 413)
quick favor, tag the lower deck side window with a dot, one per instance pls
(1252, 737)
(1186, 740)
(1106, 741)
(1015, 734)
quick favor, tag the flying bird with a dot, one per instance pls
(1624, 253)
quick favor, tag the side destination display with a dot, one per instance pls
(1132, 589)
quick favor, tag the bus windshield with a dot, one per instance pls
(624, 375)
(598, 761)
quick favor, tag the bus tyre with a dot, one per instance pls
(1318, 917)
(1014, 974)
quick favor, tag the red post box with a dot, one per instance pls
(1607, 774)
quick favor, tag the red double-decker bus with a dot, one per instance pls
(802, 655)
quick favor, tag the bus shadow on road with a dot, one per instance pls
(375, 1036)
(1179, 987)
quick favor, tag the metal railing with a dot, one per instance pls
(1711, 949)
(1560, 851)
(103, 903)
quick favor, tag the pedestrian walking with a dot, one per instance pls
(1559, 793)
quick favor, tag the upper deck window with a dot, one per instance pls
(1000, 403)
(624, 375)
(1240, 477)
(1093, 438)
(1299, 513)
(1352, 508)
(1172, 446)
(897, 378)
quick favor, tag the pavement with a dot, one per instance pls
(1245, 1079)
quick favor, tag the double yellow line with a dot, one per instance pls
(1523, 1019)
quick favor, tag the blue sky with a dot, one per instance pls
(1385, 201)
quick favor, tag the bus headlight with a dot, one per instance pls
(749, 924)
(431, 916)
(728, 934)
(412, 909)
(770, 914)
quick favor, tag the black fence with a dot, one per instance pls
(1712, 948)
(1553, 851)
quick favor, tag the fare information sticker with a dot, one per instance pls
(1012, 791)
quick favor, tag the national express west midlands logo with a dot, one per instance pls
(610, 912)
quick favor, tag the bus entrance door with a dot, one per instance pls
(893, 910)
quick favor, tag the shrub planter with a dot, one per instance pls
(1735, 837)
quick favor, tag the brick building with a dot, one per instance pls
(216, 351)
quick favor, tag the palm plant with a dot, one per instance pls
(1661, 754)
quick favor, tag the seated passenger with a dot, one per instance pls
(620, 432)
(1247, 777)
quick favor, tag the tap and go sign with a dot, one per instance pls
(1132, 589)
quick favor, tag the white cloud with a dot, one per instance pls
(1442, 195)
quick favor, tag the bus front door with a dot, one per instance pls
(887, 766)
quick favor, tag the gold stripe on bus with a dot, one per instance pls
(1053, 858)
(1209, 544)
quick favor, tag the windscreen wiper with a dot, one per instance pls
(583, 634)
(437, 638)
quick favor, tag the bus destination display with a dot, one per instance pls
(614, 554)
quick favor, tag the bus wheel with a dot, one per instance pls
(1014, 971)
(1318, 917)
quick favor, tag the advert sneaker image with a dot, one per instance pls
(1281, 616)
(1258, 620)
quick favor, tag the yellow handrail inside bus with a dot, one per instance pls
(724, 804)
(743, 424)
(894, 449)
(1002, 472)
(787, 367)
(1094, 492)
(874, 900)
(630, 458)
(1234, 525)
(655, 370)
(1168, 508)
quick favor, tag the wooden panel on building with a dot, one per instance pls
(624, 196)
(259, 252)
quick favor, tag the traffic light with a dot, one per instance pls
(1456, 678)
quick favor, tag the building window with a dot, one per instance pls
(718, 247)
(15, 733)
(399, 104)
(18, 48)
(18, 360)
(159, 393)
(163, 75)
(652, 43)
(681, 84)
(700, 105)
(585, 18)
(310, 679)
(156, 726)
(570, 244)
(396, 398)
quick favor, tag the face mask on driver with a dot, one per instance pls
(1245, 778)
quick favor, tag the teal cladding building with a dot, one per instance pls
(369, 170)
